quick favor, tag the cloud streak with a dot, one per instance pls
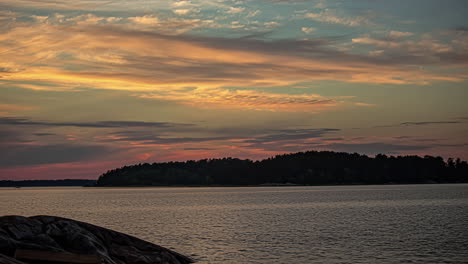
(333, 18)
(373, 148)
(247, 100)
(14, 121)
(26, 155)
(429, 123)
(259, 140)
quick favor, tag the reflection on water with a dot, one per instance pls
(345, 224)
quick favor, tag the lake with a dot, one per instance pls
(323, 224)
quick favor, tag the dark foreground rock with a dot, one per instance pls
(56, 234)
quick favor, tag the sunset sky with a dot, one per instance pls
(91, 85)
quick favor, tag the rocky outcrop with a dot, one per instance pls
(56, 234)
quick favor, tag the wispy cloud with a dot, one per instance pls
(198, 149)
(421, 46)
(308, 30)
(399, 34)
(100, 124)
(54, 5)
(25, 155)
(247, 100)
(364, 104)
(331, 17)
(426, 49)
(182, 11)
(149, 138)
(291, 134)
(235, 10)
(429, 123)
(423, 123)
(373, 148)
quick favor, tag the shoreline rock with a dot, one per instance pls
(57, 234)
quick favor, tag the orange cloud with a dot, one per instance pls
(247, 99)
(125, 57)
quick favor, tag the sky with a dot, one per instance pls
(91, 85)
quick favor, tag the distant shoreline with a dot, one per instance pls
(47, 183)
(234, 186)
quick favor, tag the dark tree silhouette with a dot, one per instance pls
(304, 168)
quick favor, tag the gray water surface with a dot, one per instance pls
(327, 224)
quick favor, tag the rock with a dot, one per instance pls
(8, 260)
(50, 233)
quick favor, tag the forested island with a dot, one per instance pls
(302, 168)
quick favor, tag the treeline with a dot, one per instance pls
(42, 183)
(304, 168)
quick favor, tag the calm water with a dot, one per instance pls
(346, 224)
